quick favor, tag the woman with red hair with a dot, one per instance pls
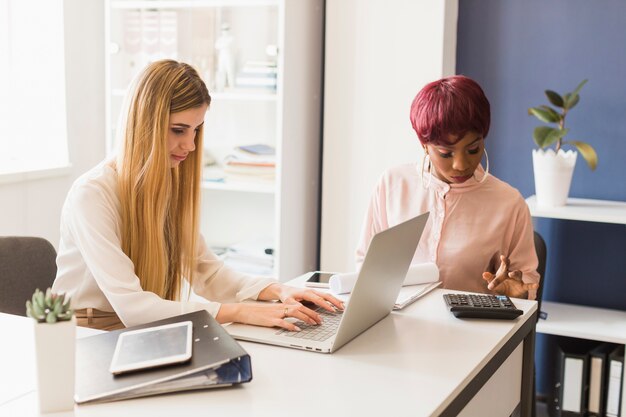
(479, 232)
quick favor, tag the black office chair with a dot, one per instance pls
(542, 253)
(26, 263)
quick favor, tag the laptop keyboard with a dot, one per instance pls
(319, 333)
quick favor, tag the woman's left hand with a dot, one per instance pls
(294, 295)
(508, 282)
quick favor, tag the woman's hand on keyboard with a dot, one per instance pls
(296, 296)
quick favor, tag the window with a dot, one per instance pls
(33, 125)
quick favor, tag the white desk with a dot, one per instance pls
(421, 361)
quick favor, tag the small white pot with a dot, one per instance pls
(55, 348)
(553, 175)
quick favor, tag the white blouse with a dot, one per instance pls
(96, 273)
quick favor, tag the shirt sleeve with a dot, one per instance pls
(215, 281)
(93, 222)
(523, 256)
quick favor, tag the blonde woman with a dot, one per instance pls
(129, 226)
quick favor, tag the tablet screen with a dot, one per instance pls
(154, 346)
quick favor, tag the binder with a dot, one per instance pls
(615, 382)
(572, 383)
(598, 377)
(217, 361)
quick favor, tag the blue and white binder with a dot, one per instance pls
(217, 360)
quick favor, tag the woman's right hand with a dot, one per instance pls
(271, 314)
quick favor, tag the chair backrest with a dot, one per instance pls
(542, 253)
(26, 263)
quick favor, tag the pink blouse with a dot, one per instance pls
(469, 227)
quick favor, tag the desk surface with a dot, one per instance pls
(414, 361)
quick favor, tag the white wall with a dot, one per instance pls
(33, 207)
(379, 54)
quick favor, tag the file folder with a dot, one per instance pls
(615, 381)
(571, 388)
(217, 361)
(598, 375)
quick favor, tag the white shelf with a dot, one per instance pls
(583, 322)
(187, 4)
(602, 211)
(232, 95)
(248, 187)
(244, 95)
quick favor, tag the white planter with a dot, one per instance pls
(55, 347)
(553, 175)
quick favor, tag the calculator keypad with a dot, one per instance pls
(481, 306)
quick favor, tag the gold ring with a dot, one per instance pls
(285, 312)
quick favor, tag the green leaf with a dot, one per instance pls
(38, 298)
(545, 114)
(545, 136)
(577, 90)
(540, 135)
(587, 151)
(555, 98)
(571, 100)
(51, 318)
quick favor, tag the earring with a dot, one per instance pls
(486, 174)
(425, 159)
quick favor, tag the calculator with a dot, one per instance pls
(482, 306)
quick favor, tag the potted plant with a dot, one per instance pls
(553, 168)
(55, 335)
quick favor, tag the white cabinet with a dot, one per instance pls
(583, 322)
(262, 62)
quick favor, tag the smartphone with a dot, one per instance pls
(319, 279)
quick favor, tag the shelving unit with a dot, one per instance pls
(282, 212)
(584, 322)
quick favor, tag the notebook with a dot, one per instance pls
(378, 284)
(217, 360)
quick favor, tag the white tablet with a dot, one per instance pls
(153, 346)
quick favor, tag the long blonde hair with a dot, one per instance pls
(160, 204)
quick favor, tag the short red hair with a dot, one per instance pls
(450, 106)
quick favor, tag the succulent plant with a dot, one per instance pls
(49, 307)
(545, 136)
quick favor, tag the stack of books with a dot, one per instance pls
(251, 162)
(257, 74)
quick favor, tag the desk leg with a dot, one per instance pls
(528, 376)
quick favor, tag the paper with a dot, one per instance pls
(418, 274)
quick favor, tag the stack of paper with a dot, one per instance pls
(251, 162)
(419, 280)
(257, 74)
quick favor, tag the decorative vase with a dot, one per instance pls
(55, 349)
(553, 176)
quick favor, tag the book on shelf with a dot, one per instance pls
(598, 378)
(257, 149)
(257, 74)
(615, 382)
(571, 388)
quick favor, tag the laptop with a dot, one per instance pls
(384, 268)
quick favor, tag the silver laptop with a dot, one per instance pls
(385, 266)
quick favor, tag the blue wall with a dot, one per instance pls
(516, 50)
